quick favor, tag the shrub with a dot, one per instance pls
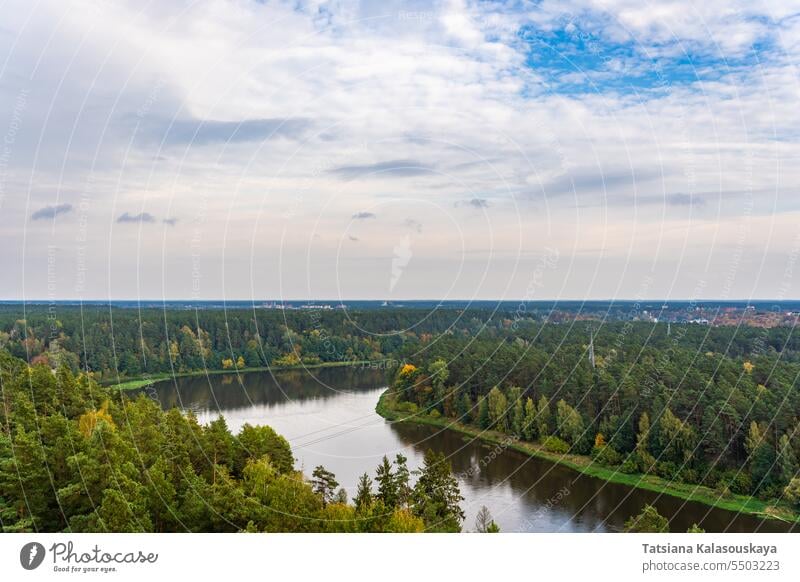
(606, 455)
(723, 490)
(667, 470)
(711, 478)
(555, 445)
(407, 408)
(737, 481)
(792, 492)
(772, 491)
(689, 476)
(648, 521)
(630, 466)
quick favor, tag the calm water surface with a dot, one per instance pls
(328, 416)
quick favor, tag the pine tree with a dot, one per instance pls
(465, 409)
(341, 496)
(258, 441)
(387, 484)
(402, 479)
(763, 470)
(363, 498)
(484, 420)
(324, 483)
(436, 496)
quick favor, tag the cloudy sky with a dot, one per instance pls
(390, 150)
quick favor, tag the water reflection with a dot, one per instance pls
(328, 416)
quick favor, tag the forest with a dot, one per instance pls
(717, 407)
(119, 343)
(78, 457)
(722, 415)
(115, 343)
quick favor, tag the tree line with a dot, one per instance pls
(119, 343)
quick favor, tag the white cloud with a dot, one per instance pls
(243, 119)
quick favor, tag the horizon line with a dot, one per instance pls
(428, 299)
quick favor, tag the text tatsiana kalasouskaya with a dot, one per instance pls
(712, 548)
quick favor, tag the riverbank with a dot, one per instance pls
(144, 381)
(386, 407)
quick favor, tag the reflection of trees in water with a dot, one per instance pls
(229, 392)
(532, 489)
(559, 495)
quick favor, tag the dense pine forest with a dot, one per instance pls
(713, 406)
(75, 456)
(720, 410)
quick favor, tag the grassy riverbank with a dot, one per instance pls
(143, 381)
(387, 408)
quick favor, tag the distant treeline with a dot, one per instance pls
(127, 343)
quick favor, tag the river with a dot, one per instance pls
(328, 415)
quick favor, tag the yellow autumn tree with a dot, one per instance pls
(89, 420)
(748, 367)
(240, 362)
(290, 359)
(227, 364)
(408, 369)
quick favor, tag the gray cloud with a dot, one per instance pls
(170, 221)
(51, 211)
(393, 168)
(364, 215)
(352, 238)
(479, 203)
(581, 180)
(681, 199)
(677, 199)
(141, 217)
(209, 131)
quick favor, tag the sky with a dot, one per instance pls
(237, 149)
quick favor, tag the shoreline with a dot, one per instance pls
(587, 466)
(143, 382)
